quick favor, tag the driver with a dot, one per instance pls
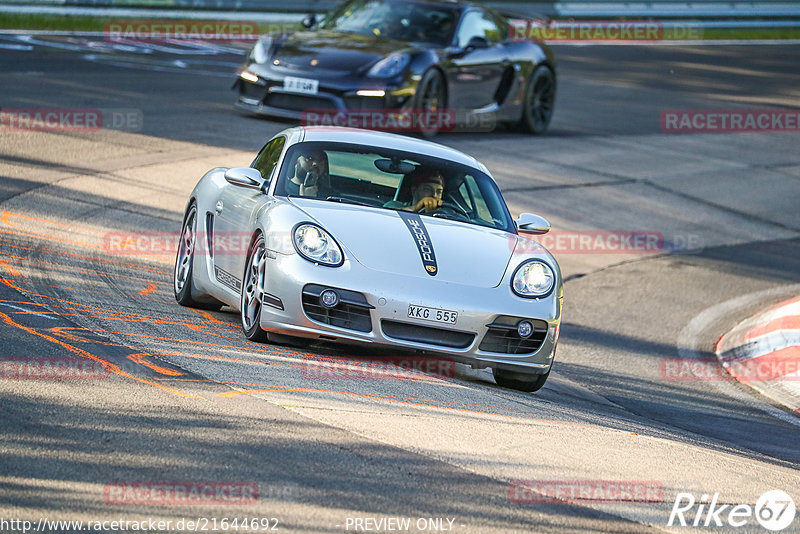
(391, 26)
(427, 187)
(310, 177)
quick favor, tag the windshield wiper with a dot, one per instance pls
(349, 201)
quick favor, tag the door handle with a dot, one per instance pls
(218, 208)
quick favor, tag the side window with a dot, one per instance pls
(478, 24)
(473, 192)
(268, 157)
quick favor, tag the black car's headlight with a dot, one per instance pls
(260, 51)
(533, 278)
(316, 245)
(389, 66)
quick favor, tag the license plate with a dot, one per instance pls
(432, 314)
(301, 85)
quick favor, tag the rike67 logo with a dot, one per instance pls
(774, 510)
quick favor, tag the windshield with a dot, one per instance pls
(391, 179)
(401, 21)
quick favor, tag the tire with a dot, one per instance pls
(539, 102)
(252, 298)
(519, 381)
(431, 96)
(185, 292)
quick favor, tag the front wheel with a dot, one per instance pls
(519, 381)
(540, 100)
(430, 99)
(252, 300)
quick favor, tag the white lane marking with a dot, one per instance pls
(24, 48)
(172, 46)
(761, 345)
(218, 47)
(689, 346)
(20, 308)
(787, 310)
(120, 62)
(180, 47)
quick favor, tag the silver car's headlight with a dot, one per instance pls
(259, 51)
(534, 278)
(389, 66)
(317, 245)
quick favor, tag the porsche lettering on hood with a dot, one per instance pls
(423, 240)
(458, 246)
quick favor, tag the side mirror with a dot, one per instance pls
(310, 21)
(532, 224)
(477, 42)
(244, 177)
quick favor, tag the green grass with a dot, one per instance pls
(19, 21)
(751, 33)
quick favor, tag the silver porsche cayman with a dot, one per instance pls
(371, 238)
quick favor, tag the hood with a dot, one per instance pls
(335, 52)
(381, 240)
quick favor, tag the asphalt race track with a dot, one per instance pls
(177, 397)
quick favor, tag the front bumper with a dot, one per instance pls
(267, 95)
(389, 297)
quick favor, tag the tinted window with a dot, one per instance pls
(268, 157)
(401, 21)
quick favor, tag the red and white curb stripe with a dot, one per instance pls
(764, 352)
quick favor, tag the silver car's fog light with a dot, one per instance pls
(533, 278)
(316, 245)
(329, 298)
(524, 329)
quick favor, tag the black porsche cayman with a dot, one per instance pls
(420, 55)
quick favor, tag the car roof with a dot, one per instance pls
(336, 134)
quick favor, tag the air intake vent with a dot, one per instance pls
(351, 312)
(427, 334)
(502, 336)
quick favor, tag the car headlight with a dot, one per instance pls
(533, 278)
(259, 51)
(317, 245)
(389, 66)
